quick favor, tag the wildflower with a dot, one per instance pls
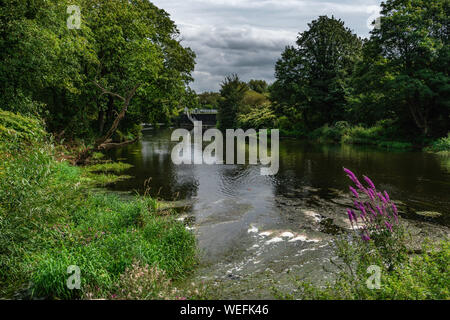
(353, 190)
(370, 182)
(365, 235)
(351, 175)
(382, 198)
(350, 215)
(394, 207)
(388, 226)
(386, 195)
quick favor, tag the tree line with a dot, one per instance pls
(125, 65)
(397, 79)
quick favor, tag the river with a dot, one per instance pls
(259, 232)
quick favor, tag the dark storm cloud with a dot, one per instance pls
(247, 36)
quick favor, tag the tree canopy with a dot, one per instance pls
(313, 76)
(49, 69)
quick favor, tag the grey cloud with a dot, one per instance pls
(248, 36)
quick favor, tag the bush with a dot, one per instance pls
(261, 117)
(441, 145)
(51, 219)
(380, 241)
(15, 128)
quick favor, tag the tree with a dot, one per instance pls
(411, 51)
(49, 69)
(232, 93)
(259, 86)
(209, 100)
(312, 79)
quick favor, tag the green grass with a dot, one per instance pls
(50, 218)
(115, 167)
(422, 277)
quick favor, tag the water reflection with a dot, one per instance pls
(418, 179)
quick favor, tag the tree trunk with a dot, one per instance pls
(104, 141)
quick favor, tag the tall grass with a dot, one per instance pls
(51, 219)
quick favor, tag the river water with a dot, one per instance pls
(255, 232)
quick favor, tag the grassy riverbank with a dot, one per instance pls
(50, 218)
(382, 135)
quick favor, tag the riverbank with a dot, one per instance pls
(52, 218)
(383, 135)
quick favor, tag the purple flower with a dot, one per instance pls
(365, 237)
(371, 194)
(370, 182)
(351, 175)
(353, 190)
(379, 210)
(388, 226)
(351, 215)
(386, 195)
(394, 207)
(382, 198)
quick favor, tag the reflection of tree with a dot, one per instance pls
(411, 176)
(152, 159)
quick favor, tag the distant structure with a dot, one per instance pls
(208, 117)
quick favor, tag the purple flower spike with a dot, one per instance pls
(365, 237)
(386, 195)
(350, 215)
(370, 182)
(379, 210)
(382, 198)
(355, 193)
(350, 174)
(354, 216)
(394, 207)
(388, 226)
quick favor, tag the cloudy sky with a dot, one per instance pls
(247, 36)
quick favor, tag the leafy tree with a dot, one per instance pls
(232, 93)
(259, 86)
(209, 100)
(75, 78)
(406, 65)
(313, 77)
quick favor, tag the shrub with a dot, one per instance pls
(51, 219)
(379, 240)
(441, 145)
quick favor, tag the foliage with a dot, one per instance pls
(259, 86)
(48, 69)
(379, 240)
(261, 117)
(209, 100)
(312, 78)
(232, 94)
(441, 145)
(51, 219)
(19, 129)
(405, 68)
